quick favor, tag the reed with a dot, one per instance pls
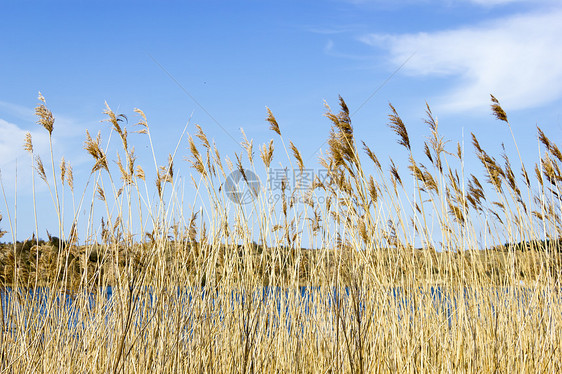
(364, 269)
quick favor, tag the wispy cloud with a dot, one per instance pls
(13, 158)
(515, 58)
(484, 3)
(18, 111)
(489, 3)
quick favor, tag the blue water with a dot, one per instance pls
(36, 307)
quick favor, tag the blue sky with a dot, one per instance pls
(221, 63)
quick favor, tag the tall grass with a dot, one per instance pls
(393, 278)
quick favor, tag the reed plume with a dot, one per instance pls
(399, 128)
(46, 118)
(273, 125)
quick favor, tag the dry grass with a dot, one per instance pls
(191, 291)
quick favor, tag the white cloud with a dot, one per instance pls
(67, 141)
(12, 155)
(65, 127)
(518, 59)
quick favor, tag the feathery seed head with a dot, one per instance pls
(497, 110)
(100, 193)
(266, 153)
(62, 171)
(143, 122)
(273, 125)
(69, 176)
(46, 118)
(297, 155)
(94, 149)
(399, 128)
(140, 173)
(394, 173)
(201, 135)
(373, 193)
(40, 169)
(427, 152)
(371, 155)
(28, 144)
(248, 145)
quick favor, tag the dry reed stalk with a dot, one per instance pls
(200, 295)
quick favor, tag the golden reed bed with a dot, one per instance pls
(229, 288)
